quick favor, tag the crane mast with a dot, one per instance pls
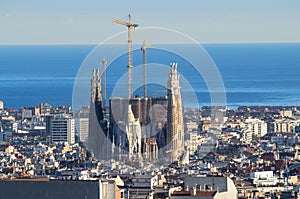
(130, 26)
(104, 63)
(144, 46)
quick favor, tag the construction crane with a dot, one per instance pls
(143, 48)
(130, 26)
(104, 63)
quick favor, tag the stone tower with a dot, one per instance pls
(98, 142)
(175, 128)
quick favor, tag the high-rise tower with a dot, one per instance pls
(175, 128)
(98, 142)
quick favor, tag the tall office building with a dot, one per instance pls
(175, 127)
(62, 128)
(98, 141)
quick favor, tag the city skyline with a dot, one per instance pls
(74, 22)
(109, 121)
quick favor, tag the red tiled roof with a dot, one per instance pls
(27, 179)
(206, 193)
(198, 193)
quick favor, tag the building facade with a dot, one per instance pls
(62, 128)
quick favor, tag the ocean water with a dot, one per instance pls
(253, 74)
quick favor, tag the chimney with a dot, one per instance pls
(187, 188)
(193, 191)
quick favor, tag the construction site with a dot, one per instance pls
(138, 129)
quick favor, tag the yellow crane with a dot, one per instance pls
(143, 48)
(104, 63)
(130, 26)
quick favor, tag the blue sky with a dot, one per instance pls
(207, 21)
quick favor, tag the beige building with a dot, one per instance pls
(282, 125)
(286, 113)
(191, 126)
(193, 142)
(254, 127)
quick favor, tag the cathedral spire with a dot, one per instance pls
(175, 130)
(93, 88)
(98, 96)
(98, 141)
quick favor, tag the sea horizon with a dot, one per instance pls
(253, 73)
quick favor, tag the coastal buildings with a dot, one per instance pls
(45, 109)
(26, 113)
(256, 168)
(135, 149)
